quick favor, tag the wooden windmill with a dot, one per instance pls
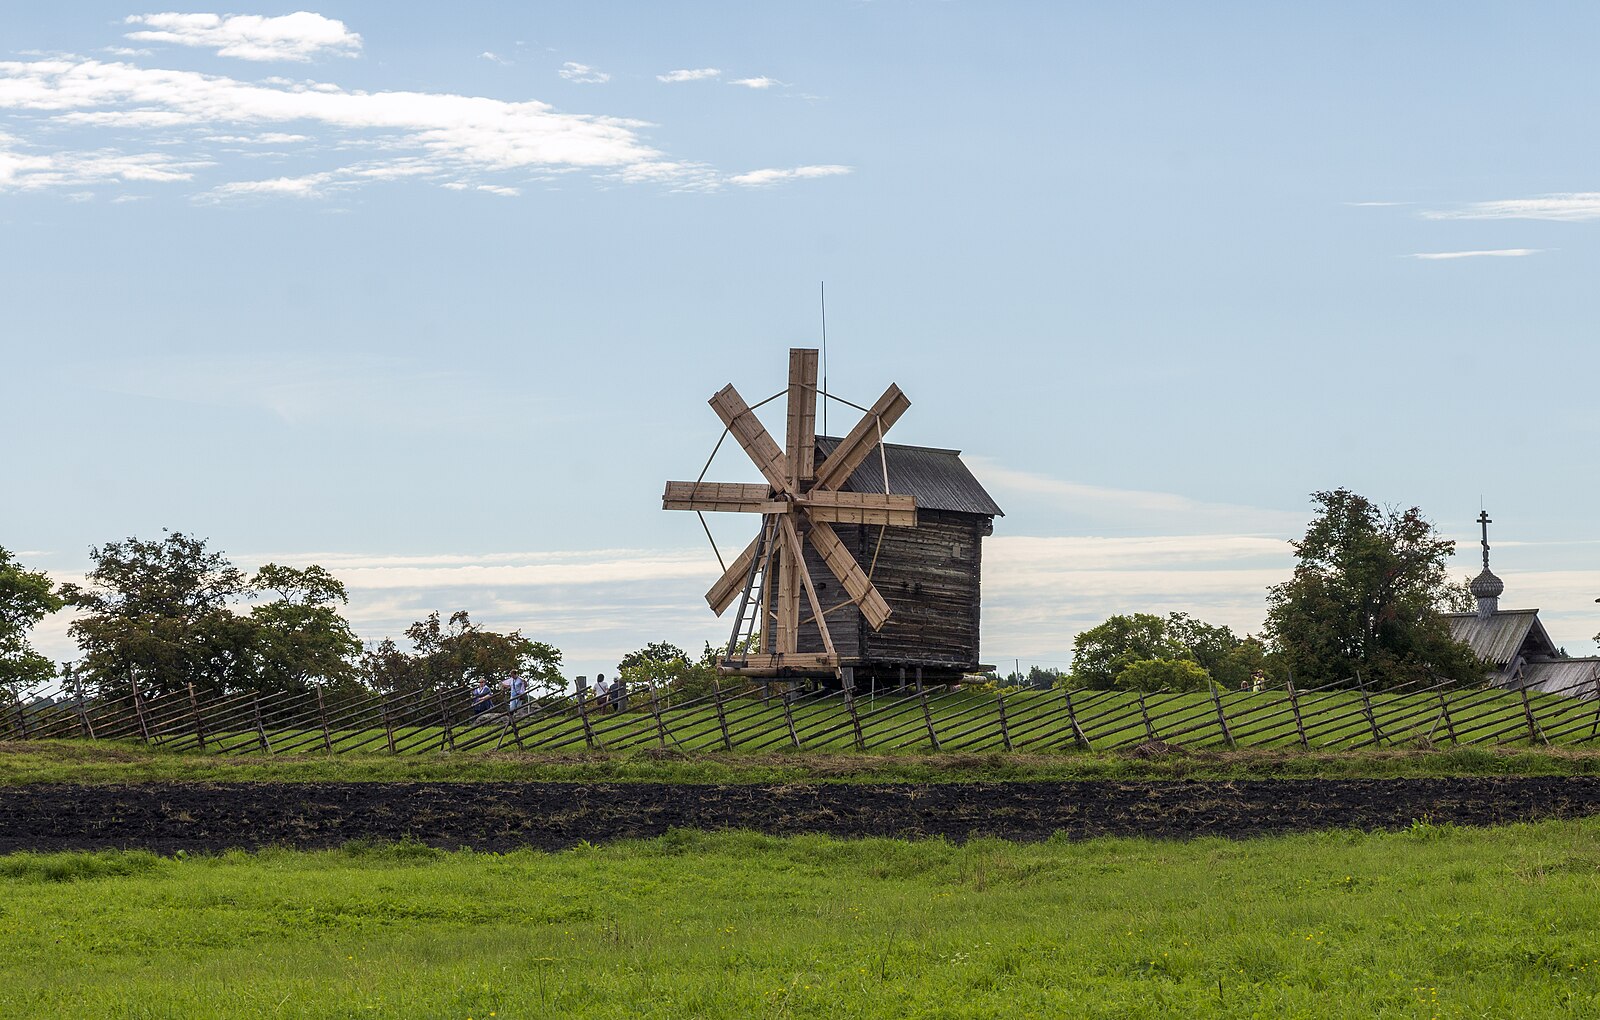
(799, 504)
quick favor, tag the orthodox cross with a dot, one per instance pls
(1484, 522)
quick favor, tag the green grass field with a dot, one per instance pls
(72, 761)
(1434, 922)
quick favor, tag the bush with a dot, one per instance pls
(1163, 674)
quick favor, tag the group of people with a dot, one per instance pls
(612, 695)
(516, 689)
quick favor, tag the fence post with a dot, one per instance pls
(1149, 731)
(1299, 723)
(388, 724)
(511, 719)
(1078, 736)
(1005, 731)
(847, 677)
(1534, 733)
(138, 708)
(83, 715)
(655, 710)
(1222, 718)
(261, 726)
(22, 719)
(788, 713)
(927, 714)
(1366, 706)
(322, 713)
(583, 715)
(722, 715)
(194, 712)
(1444, 710)
(447, 738)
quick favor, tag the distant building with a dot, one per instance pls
(1514, 643)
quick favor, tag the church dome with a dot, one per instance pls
(1487, 586)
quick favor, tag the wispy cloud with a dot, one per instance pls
(296, 37)
(1505, 253)
(1569, 207)
(686, 74)
(495, 58)
(583, 74)
(761, 178)
(757, 83)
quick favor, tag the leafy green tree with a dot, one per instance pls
(460, 653)
(656, 651)
(157, 612)
(1163, 675)
(26, 597)
(1102, 652)
(301, 639)
(669, 667)
(1367, 593)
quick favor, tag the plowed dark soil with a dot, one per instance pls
(502, 816)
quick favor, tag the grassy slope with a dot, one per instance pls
(80, 762)
(1434, 922)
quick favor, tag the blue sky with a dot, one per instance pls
(435, 296)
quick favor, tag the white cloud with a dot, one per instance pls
(1570, 207)
(686, 74)
(495, 58)
(583, 74)
(418, 133)
(298, 37)
(759, 178)
(29, 171)
(1510, 253)
(757, 83)
(497, 189)
(307, 186)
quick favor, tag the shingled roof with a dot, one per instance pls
(1499, 637)
(936, 478)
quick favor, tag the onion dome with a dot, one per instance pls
(1487, 586)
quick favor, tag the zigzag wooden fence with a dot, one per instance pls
(789, 717)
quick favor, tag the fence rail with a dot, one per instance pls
(786, 716)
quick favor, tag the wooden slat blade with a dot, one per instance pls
(735, 497)
(768, 664)
(802, 431)
(788, 624)
(794, 547)
(732, 582)
(855, 581)
(748, 431)
(860, 508)
(861, 441)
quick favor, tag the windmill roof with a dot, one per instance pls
(937, 479)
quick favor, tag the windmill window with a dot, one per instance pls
(958, 551)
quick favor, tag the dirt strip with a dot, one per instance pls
(502, 816)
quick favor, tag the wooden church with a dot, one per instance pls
(868, 558)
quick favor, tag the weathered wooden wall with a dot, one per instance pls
(930, 575)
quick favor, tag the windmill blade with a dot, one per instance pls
(859, 586)
(788, 623)
(792, 536)
(721, 595)
(860, 508)
(720, 497)
(802, 432)
(748, 431)
(855, 447)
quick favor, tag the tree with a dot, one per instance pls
(1367, 593)
(157, 613)
(1163, 675)
(656, 651)
(26, 597)
(460, 653)
(301, 639)
(1102, 652)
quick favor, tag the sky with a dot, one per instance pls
(434, 296)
